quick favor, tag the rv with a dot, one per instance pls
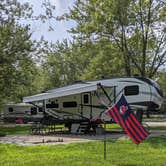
(81, 101)
(26, 112)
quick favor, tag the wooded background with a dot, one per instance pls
(112, 38)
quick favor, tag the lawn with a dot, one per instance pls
(14, 130)
(120, 153)
(26, 129)
(116, 126)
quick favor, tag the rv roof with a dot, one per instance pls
(79, 87)
(73, 86)
(64, 91)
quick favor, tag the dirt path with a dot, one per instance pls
(66, 139)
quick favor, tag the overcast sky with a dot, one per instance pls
(61, 27)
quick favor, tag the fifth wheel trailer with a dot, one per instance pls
(80, 101)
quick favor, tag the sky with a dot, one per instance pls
(39, 29)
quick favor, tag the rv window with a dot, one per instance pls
(52, 105)
(10, 109)
(33, 110)
(70, 104)
(131, 90)
(86, 99)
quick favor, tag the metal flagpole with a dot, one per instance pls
(105, 143)
(103, 102)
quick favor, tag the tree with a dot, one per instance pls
(19, 75)
(16, 64)
(105, 62)
(162, 82)
(65, 63)
(136, 27)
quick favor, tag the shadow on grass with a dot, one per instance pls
(157, 142)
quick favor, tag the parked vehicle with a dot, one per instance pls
(21, 113)
(80, 101)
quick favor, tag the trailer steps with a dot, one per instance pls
(84, 128)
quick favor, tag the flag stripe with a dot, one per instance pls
(117, 120)
(120, 118)
(114, 116)
(117, 116)
(131, 136)
(110, 114)
(139, 125)
(134, 135)
(137, 131)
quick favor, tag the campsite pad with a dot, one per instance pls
(56, 139)
(66, 139)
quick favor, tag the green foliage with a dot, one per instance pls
(105, 62)
(67, 62)
(162, 82)
(119, 152)
(15, 47)
(19, 75)
(136, 28)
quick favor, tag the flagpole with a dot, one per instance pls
(105, 141)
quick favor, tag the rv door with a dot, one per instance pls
(86, 101)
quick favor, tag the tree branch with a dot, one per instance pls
(161, 62)
(156, 53)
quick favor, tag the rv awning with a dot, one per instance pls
(60, 92)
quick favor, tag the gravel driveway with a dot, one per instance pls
(66, 139)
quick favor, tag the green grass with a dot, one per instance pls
(112, 126)
(26, 129)
(116, 126)
(157, 127)
(14, 130)
(151, 152)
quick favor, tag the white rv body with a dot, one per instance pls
(11, 112)
(80, 100)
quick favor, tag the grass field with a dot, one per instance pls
(120, 153)
(14, 130)
(26, 129)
